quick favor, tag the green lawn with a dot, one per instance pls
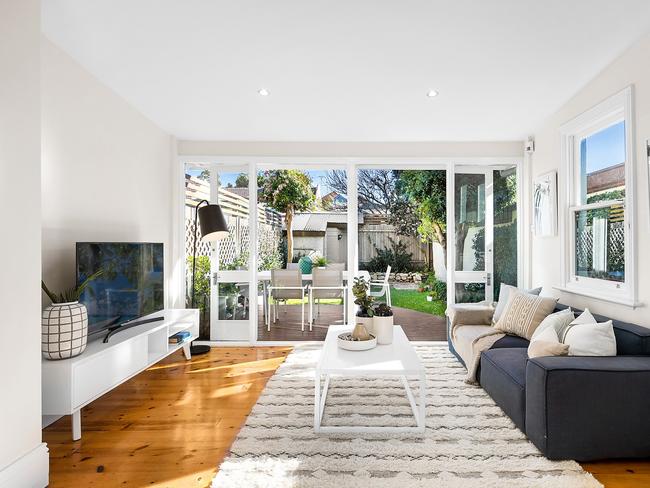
(416, 300)
(411, 299)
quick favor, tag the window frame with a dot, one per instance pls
(614, 109)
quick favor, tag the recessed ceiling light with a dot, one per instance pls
(264, 92)
(432, 93)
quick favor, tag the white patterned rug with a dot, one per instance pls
(469, 441)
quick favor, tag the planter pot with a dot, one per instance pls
(429, 298)
(64, 330)
(367, 322)
(305, 265)
(383, 329)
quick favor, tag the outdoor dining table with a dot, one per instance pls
(265, 278)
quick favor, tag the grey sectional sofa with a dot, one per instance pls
(582, 408)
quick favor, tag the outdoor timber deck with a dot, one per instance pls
(418, 326)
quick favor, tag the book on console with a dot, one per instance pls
(179, 337)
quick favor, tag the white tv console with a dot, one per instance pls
(71, 384)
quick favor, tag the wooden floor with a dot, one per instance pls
(172, 425)
(418, 326)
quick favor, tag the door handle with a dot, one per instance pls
(488, 279)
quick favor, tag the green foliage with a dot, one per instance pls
(396, 256)
(287, 190)
(272, 260)
(241, 181)
(240, 262)
(201, 282)
(383, 310)
(434, 287)
(71, 294)
(426, 191)
(320, 261)
(360, 289)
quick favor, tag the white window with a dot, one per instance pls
(598, 204)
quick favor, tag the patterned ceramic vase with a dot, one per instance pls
(305, 264)
(64, 330)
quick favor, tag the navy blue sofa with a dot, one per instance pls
(570, 407)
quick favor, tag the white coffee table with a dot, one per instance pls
(398, 359)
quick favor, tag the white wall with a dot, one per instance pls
(20, 256)
(631, 68)
(401, 150)
(107, 173)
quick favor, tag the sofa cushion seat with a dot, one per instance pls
(503, 376)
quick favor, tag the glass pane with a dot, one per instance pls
(233, 301)
(197, 188)
(470, 222)
(470, 292)
(602, 165)
(233, 198)
(505, 228)
(600, 243)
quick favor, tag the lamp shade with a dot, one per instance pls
(213, 223)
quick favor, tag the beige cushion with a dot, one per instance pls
(545, 348)
(546, 343)
(523, 313)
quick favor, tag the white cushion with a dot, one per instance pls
(558, 321)
(548, 335)
(585, 337)
(504, 294)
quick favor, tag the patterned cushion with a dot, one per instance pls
(523, 313)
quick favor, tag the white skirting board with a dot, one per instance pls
(28, 471)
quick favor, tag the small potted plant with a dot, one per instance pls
(64, 323)
(320, 262)
(382, 323)
(363, 319)
(430, 296)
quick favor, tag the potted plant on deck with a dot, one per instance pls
(363, 319)
(64, 323)
(320, 262)
(382, 323)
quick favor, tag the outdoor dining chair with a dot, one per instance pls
(293, 266)
(336, 266)
(286, 284)
(381, 288)
(326, 283)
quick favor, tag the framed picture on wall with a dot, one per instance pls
(545, 205)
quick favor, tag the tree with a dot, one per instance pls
(241, 181)
(375, 188)
(426, 191)
(287, 191)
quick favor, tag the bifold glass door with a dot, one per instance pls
(471, 235)
(231, 270)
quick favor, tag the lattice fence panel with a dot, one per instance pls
(615, 247)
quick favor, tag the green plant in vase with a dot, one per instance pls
(363, 327)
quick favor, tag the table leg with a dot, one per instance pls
(76, 425)
(317, 402)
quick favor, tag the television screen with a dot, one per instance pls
(131, 283)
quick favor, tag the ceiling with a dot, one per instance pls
(346, 70)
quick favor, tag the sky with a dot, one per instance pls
(317, 176)
(606, 148)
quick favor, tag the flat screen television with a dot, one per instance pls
(131, 284)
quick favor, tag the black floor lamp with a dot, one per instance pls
(213, 228)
